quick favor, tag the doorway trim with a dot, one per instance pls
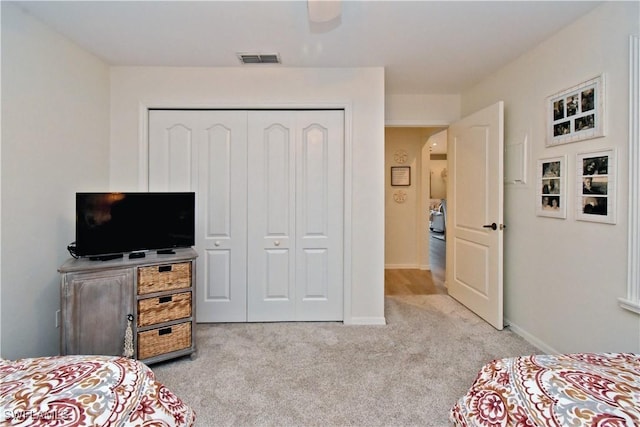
(632, 300)
(422, 238)
(143, 169)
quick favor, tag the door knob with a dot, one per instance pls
(277, 243)
(217, 243)
(492, 226)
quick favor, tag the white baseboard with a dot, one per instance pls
(366, 321)
(408, 267)
(531, 339)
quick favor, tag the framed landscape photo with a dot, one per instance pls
(576, 113)
(596, 186)
(552, 181)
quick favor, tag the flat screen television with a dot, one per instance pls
(118, 223)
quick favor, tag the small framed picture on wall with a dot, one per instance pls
(551, 193)
(596, 186)
(400, 176)
(576, 113)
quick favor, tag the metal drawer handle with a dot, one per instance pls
(164, 268)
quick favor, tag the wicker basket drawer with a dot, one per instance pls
(164, 308)
(158, 278)
(164, 340)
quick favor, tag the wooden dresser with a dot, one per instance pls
(151, 297)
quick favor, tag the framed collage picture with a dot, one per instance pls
(576, 113)
(596, 186)
(552, 182)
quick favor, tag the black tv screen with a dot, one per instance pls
(116, 223)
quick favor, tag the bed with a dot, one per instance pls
(87, 391)
(585, 389)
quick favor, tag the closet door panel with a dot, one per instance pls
(171, 150)
(223, 211)
(277, 285)
(319, 215)
(271, 274)
(277, 178)
(218, 180)
(218, 282)
(314, 270)
(314, 181)
(205, 151)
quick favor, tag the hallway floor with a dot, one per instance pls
(420, 282)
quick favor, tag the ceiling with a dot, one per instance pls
(434, 47)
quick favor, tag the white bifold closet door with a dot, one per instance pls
(295, 205)
(270, 193)
(206, 152)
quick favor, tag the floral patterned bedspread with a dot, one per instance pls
(583, 389)
(86, 391)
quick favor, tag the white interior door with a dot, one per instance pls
(205, 152)
(271, 222)
(475, 213)
(295, 251)
(319, 215)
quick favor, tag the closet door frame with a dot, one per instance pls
(143, 165)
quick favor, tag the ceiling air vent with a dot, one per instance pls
(259, 58)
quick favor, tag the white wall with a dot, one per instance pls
(402, 219)
(55, 126)
(563, 277)
(361, 90)
(421, 109)
(438, 181)
(438, 168)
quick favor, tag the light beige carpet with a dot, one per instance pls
(406, 373)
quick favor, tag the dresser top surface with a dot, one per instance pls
(150, 258)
